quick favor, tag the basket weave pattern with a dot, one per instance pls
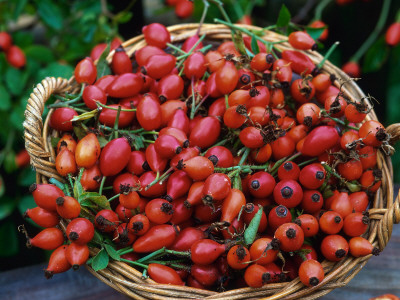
(384, 211)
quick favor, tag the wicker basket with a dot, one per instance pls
(384, 211)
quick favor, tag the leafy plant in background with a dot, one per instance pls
(53, 35)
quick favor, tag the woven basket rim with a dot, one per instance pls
(384, 212)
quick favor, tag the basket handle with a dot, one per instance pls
(35, 143)
(394, 131)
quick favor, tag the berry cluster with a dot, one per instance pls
(14, 55)
(212, 168)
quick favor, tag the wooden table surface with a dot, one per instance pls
(381, 275)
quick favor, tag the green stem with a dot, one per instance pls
(77, 98)
(238, 9)
(226, 101)
(113, 108)
(319, 9)
(176, 48)
(332, 172)
(272, 47)
(352, 186)
(178, 253)
(222, 10)
(307, 161)
(175, 264)
(135, 263)
(64, 187)
(81, 170)
(113, 197)
(244, 30)
(375, 33)
(220, 143)
(7, 148)
(330, 51)
(263, 167)
(102, 184)
(244, 156)
(224, 170)
(152, 255)
(182, 58)
(115, 129)
(70, 181)
(125, 250)
(63, 104)
(341, 122)
(73, 100)
(203, 15)
(157, 179)
(192, 49)
(278, 42)
(295, 26)
(140, 131)
(193, 108)
(205, 49)
(270, 27)
(281, 161)
(233, 173)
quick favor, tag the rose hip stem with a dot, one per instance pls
(374, 34)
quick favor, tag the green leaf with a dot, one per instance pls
(79, 130)
(9, 162)
(97, 238)
(22, 38)
(19, 7)
(78, 189)
(249, 53)
(112, 252)
(17, 115)
(284, 17)
(102, 141)
(7, 206)
(40, 53)
(100, 261)
(5, 100)
(25, 203)
(2, 188)
(9, 239)
(85, 116)
(376, 56)
(54, 141)
(254, 45)
(251, 231)
(90, 34)
(15, 80)
(26, 177)
(94, 198)
(55, 69)
(50, 13)
(123, 16)
(238, 42)
(315, 33)
(102, 65)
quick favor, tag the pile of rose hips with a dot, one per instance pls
(251, 169)
(14, 55)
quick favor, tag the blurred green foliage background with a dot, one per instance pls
(54, 35)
